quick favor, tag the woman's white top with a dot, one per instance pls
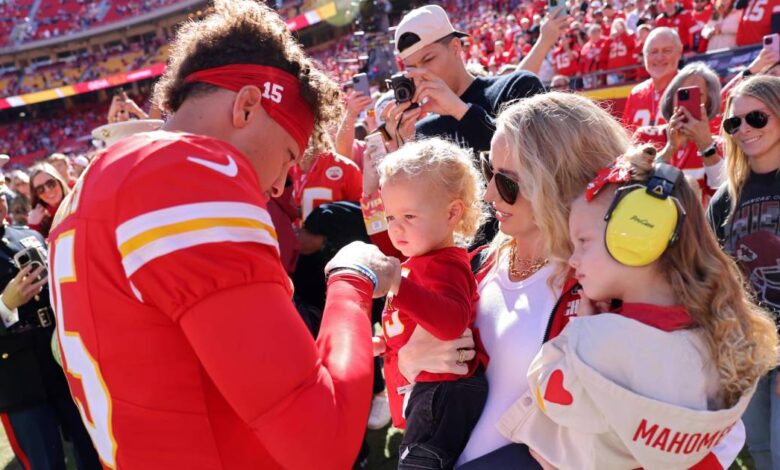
(512, 318)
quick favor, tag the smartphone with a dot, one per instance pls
(553, 4)
(360, 84)
(34, 256)
(374, 211)
(690, 99)
(772, 41)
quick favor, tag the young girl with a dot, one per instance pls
(746, 220)
(661, 379)
(433, 202)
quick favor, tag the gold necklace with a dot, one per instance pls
(528, 267)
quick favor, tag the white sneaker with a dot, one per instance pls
(380, 412)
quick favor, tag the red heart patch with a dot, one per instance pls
(555, 393)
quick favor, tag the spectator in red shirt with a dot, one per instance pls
(702, 13)
(674, 16)
(501, 56)
(621, 45)
(662, 52)
(593, 56)
(565, 57)
(756, 21)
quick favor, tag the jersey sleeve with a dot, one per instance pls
(204, 227)
(440, 298)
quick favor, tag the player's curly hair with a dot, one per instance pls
(447, 166)
(244, 32)
(742, 338)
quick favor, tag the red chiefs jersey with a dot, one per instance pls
(439, 293)
(593, 56)
(621, 51)
(682, 21)
(700, 20)
(566, 62)
(330, 178)
(756, 21)
(642, 106)
(181, 345)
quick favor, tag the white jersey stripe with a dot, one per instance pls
(165, 245)
(186, 212)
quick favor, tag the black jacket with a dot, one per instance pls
(28, 373)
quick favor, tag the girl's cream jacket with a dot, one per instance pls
(613, 393)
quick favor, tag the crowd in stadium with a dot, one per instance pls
(481, 255)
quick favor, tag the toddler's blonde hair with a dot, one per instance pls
(446, 166)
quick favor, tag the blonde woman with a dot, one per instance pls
(545, 151)
(745, 217)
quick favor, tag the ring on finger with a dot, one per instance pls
(461, 357)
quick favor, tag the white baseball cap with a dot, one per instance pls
(429, 24)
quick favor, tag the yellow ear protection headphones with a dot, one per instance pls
(645, 219)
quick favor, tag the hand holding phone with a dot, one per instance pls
(34, 257)
(772, 42)
(690, 99)
(360, 84)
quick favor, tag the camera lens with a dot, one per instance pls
(402, 94)
(767, 41)
(684, 94)
(24, 259)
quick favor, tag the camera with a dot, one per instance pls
(34, 256)
(767, 40)
(403, 88)
(684, 95)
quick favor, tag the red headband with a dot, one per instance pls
(618, 172)
(281, 96)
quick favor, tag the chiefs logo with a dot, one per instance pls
(334, 173)
(759, 256)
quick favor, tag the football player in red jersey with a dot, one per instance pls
(661, 53)
(326, 178)
(756, 21)
(174, 315)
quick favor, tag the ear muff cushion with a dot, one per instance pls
(640, 228)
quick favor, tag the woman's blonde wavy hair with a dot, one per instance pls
(559, 142)
(447, 166)
(766, 89)
(742, 338)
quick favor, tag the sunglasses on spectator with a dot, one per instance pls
(507, 188)
(755, 119)
(47, 186)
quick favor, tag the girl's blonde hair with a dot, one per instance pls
(742, 339)
(764, 88)
(447, 166)
(558, 141)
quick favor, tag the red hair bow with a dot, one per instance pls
(618, 172)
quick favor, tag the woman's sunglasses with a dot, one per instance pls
(47, 186)
(755, 119)
(507, 188)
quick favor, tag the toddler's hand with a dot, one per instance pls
(588, 307)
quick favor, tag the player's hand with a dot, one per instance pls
(696, 130)
(36, 215)
(23, 287)
(356, 103)
(379, 345)
(435, 96)
(400, 113)
(425, 352)
(385, 267)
